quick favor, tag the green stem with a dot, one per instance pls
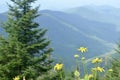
(95, 75)
(110, 77)
(85, 68)
(84, 65)
(77, 65)
(61, 77)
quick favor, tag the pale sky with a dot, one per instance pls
(64, 4)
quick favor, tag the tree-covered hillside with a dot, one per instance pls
(69, 31)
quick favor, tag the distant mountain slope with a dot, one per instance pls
(106, 14)
(82, 25)
(67, 32)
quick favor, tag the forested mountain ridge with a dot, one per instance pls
(69, 31)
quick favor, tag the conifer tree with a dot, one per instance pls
(25, 51)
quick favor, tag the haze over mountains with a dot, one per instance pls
(106, 14)
(95, 27)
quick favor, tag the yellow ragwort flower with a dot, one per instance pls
(16, 78)
(82, 49)
(77, 73)
(76, 56)
(100, 69)
(90, 76)
(83, 58)
(110, 70)
(97, 60)
(58, 67)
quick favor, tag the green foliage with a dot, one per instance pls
(26, 51)
(115, 75)
(48, 76)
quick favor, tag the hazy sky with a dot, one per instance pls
(64, 4)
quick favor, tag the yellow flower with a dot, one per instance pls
(77, 73)
(82, 49)
(76, 56)
(110, 70)
(90, 76)
(58, 67)
(83, 58)
(16, 78)
(97, 60)
(100, 69)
